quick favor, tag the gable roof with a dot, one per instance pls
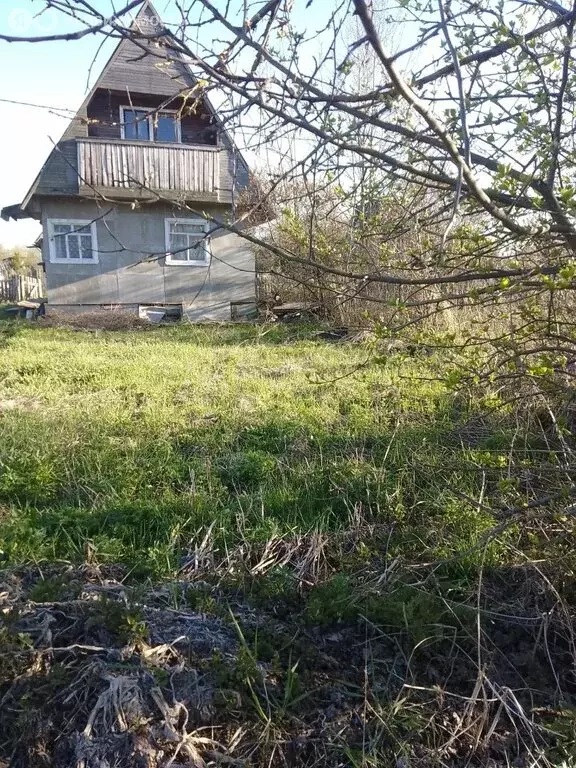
(145, 66)
(138, 66)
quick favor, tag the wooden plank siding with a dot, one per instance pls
(147, 68)
(174, 168)
(148, 75)
(59, 175)
(104, 117)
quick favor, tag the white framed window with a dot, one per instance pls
(146, 124)
(187, 243)
(72, 241)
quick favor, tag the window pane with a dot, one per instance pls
(188, 240)
(165, 127)
(196, 252)
(187, 227)
(72, 241)
(178, 245)
(136, 124)
(60, 246)
(86, 246)
(179, 241)
(73, 247)
(187, 248)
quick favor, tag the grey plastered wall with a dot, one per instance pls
(125, 238)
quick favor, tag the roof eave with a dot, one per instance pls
(16, 212)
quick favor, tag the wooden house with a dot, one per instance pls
(126, 195)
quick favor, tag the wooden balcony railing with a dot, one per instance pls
(140, 166)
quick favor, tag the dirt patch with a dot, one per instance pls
(95, 321)
(19, 403)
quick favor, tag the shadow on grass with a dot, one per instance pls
(10, 328)
(208, 334)
(148, 500)
(387, 672)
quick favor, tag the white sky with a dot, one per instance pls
(52, 74)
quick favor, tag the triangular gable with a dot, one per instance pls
(137, 67)
(146, 66)
(142, 67)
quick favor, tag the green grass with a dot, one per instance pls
(334, 509)
(138, 440)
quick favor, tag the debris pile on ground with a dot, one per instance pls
(95, 672)
(102, 320)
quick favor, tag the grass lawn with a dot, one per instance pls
(137, 440)
(248, 471)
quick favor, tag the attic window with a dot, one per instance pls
(166, 127)
(143, 124)
(136, 124)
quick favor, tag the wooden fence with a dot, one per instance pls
(20, 287)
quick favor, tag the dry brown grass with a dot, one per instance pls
(102, 320)
(95, 671)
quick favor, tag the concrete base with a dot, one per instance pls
(216, 311)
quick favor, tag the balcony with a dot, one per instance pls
(129, 169)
